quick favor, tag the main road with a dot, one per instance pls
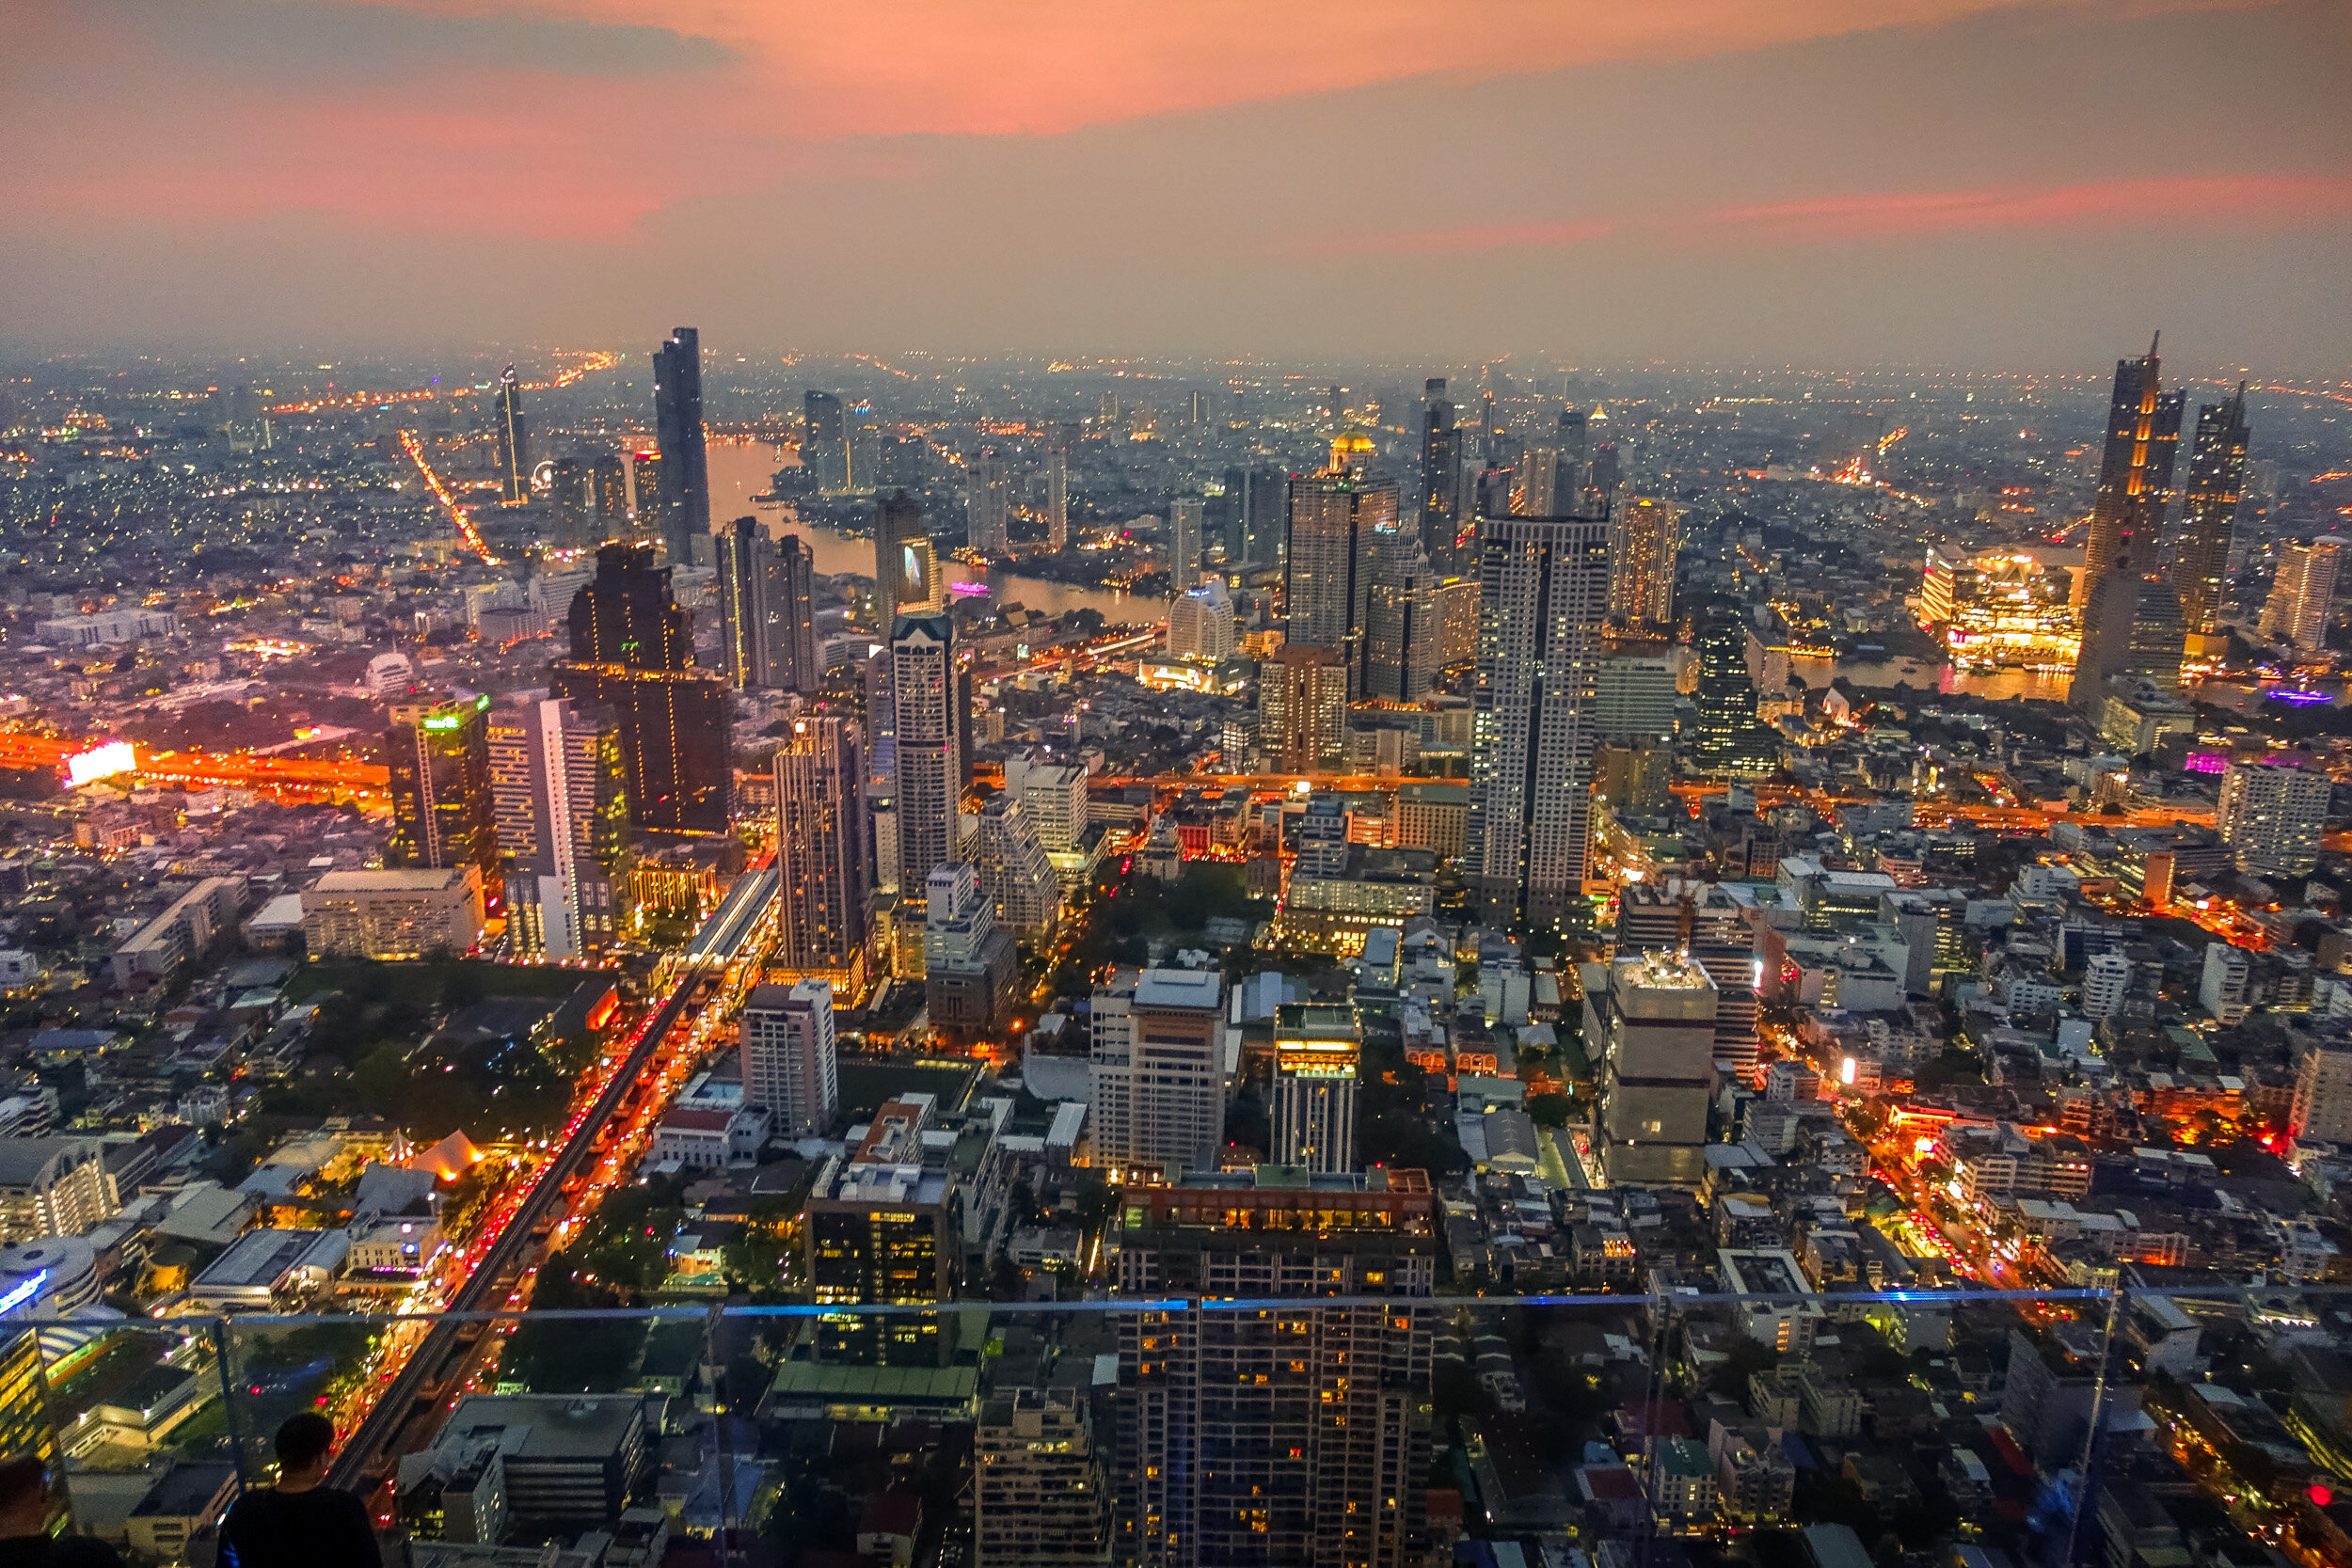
(740, 925)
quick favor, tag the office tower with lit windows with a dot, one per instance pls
(1440, 472)
(1184, 543)
(2302, 593)
(1264, 510)
(746, 559)
(2135, 467)
(27, 1426)
(608, 481)
(2270, 816)
(561, 795)
(1294, 1432)
(987, 503)
(1313, 1110)
(1727, 740)
(2131, 630)
(644, 472)
(2217, 479)
(1338, 517)
(1645, 535)
(926, 730)
(885, 1228)
(1634, 698)
(1014, 869)
(1200, 623)
(514, 441)
(787, 1054)
(1544, 588)
(444, 814)
(685, 472)
(824, 895)
(1040, 1481)
(863, 431)
(1707, 923)
(632, 650)
(906, 567)
(1302, 709)
(825, 441)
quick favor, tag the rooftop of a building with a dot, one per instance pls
(548, 1427)
(411, 880)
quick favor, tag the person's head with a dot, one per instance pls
(23, 1495)
(303, 1442)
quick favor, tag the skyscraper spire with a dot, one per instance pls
(2134, 470)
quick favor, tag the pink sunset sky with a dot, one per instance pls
(1812, 182)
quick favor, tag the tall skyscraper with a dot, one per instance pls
(1544, 586)
(1014, 869)
(794, 661)
(632, 649)
(788, 1057)
(987, 503)
(644, 472)
(926, 730)
(443, 812)
(824, 894)
(1317, 1466)
(514, 441)
(561, 792)
(1058, 498)
(1646, 534)
(1158, 1056)
(2217, 478)
(1040, 1482)
(825, 442)
(2302, 594)
(1313, 1110)
(2270, 816)
(608, 480)
(1302, 709)
(865, 447)
(2131, 627)
(1183, 541)
(745, 561)
(970, 962)
(1403, 631)
(1200, 623)
(1337, 517)
(1440, 472)
(905, 564)
(1265, 516)
(678, 415)
(2134, 470)
(1730, 742)
(1196, 408)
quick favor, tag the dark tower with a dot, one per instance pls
(443, 812)
(2134, 470)
(794, 660)
(514, 438)
(677, 416)
(1440, 472)
(2217, 478)
(633, 649)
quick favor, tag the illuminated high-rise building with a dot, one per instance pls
(1058, 498)
(26, 1428)
(788, 1056)
(825, 441)
(2217, 478)
(443, 812)
(1313, 1111)
(1316, 1468)
(514, 441)
(864, 430)
(1184, 543)
(987, 503)
(561, 794)
(906, 566)
(632, 649)
(1440, 472)
(2302, 593)
(644, 472)
(1728, 741)
(2134, 470)
(1543, 590)
(1337, 519)
(926, 725)
(1302, 709)
(608, 480)
(745, 559)
(1405, 633)
(793, 660)
(1265, 516)
(2270, 814)
(685, 472)
(1646, 535)
(823, 901)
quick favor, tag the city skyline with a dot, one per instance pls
(1841, 233)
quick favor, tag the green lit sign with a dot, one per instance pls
(442, 723)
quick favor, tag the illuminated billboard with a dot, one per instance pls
(100, 762)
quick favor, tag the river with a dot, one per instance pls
(2001, 684)
(740, 470)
